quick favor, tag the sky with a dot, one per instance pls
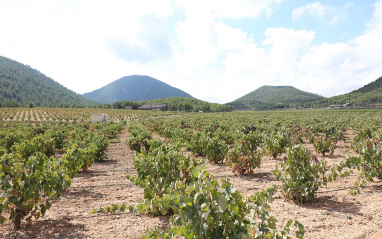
(215, 50)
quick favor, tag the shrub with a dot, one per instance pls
(324, 144)
(244, 156)
(276, 143)
(205, 211)
(158, 174)
(198, 143)
(368, 161)
(139, 141)
(29, 185)
(40, 143)
(299, 176)
(216, 150)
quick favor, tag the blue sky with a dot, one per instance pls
(343, 20)
(216, 50)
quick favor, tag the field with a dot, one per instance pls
(211, 175)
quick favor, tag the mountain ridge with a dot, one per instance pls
(134, 88)
(367, 95)
(21, 85)
(268, 97)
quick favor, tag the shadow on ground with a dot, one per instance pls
(45, 229)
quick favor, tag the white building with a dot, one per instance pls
(98, 117)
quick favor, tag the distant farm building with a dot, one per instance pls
(339, 106)
(128, 107)
(152, 107)
(98, 117)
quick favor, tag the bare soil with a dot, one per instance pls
(102, 185)
(334, 214)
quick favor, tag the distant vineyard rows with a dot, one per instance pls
(40, 115)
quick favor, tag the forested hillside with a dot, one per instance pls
(134, 88)
(270, 97)
(20, 85)
(366, 96)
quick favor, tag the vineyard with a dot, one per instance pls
(42, 115)
(149, 174)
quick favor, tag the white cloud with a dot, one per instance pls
(326, 69)
(252, 66)
(287, 44)
(70, 42)
(151, 43)
(325, 13)
(204, 42)
(232, 9)
(341, 67)
(287, 57)
(315, 9)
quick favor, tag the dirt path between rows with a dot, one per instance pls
(102, 185)
(334, 214)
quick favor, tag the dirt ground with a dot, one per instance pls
(102, 185)
(334, 214)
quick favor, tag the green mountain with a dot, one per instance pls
(134, 88)
(21, 85)
(270, 97)
(368, 95)
(375, 85)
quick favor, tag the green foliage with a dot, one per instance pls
(324, 138)
(29, 185)
(369, 159)
(188, 104)
(10, 139)
(30, 177)
(114, 208)
(58, 138)
(363, 134)
(265, 225)
(98, 144)
(109, 129)
(140, 138)
(198, 143)
(40, 143)
(244, 156)
(75, 158)
(300, 177)
(158, 174)
(216, 150)
(205, 211)
(277, 142)
(324, 144)
(183, 104)
(201, 208)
